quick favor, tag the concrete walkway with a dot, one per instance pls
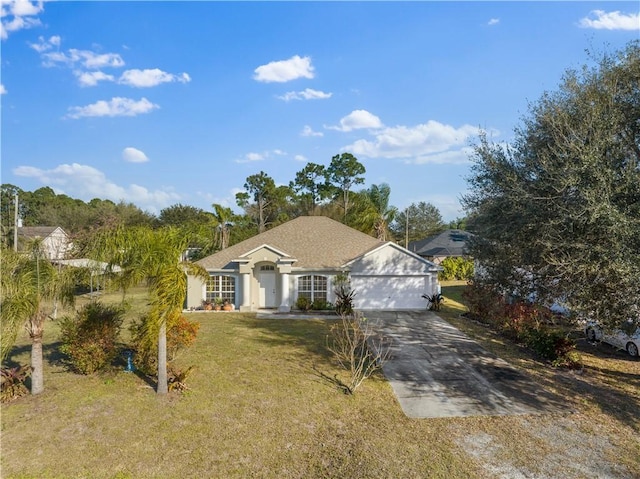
(437, 371)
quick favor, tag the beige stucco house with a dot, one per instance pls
(56, 244)
(302, 258)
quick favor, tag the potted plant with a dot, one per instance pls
(218, 304)
(227, 305)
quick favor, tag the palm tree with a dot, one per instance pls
(374, 213)
(30, 286)
(152, 256)
(224, 216)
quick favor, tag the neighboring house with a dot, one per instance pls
(443, 245)
(55, 242)
(96, 269)
(302, 258)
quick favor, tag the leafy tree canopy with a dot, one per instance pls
(424, 220)
(557, 213)
(181, 215)
(343, 173)
(372, 211)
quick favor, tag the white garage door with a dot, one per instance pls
(390, 292)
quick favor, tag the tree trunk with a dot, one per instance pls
(35, 328)
(37, 376)
(345, 200)
(162, 359)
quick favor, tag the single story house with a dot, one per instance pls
(302, 258)
(56, 243)
(449, 243)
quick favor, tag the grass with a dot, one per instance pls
(256, 408)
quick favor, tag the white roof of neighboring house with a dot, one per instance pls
(91, 264)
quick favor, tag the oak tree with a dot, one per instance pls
(557, 213)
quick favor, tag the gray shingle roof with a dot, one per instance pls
(36, 231)
(315, 241)
(447, 243)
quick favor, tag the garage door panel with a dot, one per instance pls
(390, 292)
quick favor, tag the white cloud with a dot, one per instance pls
(44, 45)
(18, 15)
(85, 182)
(254, 156)
(611, 20)
(431, 142)
(81, 60)
(3, 90)
(21, 8)
(150, 77)
(493, 21)
(300, 158)
(356, 120)
(306, 94)
(308, 131)
(250, 157)
(92, 78)
(133, 155)
(285, 70)
(86, 58)
(117, 106)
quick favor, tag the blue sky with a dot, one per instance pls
(159, 103)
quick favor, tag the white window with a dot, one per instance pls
(313, 287)
(220, 286)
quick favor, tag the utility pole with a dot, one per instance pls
(15, 224)
(406, 229)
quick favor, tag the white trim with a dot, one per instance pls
(434, 267)
(265, 246)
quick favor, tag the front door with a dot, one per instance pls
(267, 282)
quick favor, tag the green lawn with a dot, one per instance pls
(257, 409)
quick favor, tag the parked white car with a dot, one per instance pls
(618, 338)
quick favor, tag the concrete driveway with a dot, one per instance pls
(437, 371)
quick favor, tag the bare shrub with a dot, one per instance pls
(357, 349)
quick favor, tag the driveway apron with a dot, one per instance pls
(435, 370)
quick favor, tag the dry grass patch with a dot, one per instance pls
(256, 408)
(600, 438)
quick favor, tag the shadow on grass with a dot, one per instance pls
(310, 335)
(50, 353)
(619, 404)
(605, 387)
(54, 357)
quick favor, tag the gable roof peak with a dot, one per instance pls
(315, 241)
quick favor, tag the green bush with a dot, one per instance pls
(12, 384)
(303, 303)
(181, 334)
(552, 345)
(456, 268)
(320, 305)
(521, 322)
(484, 302)
(90, 339)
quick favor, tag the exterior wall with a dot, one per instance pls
(56, 244)
(389, 261)
(195, 292)
(390, 278)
